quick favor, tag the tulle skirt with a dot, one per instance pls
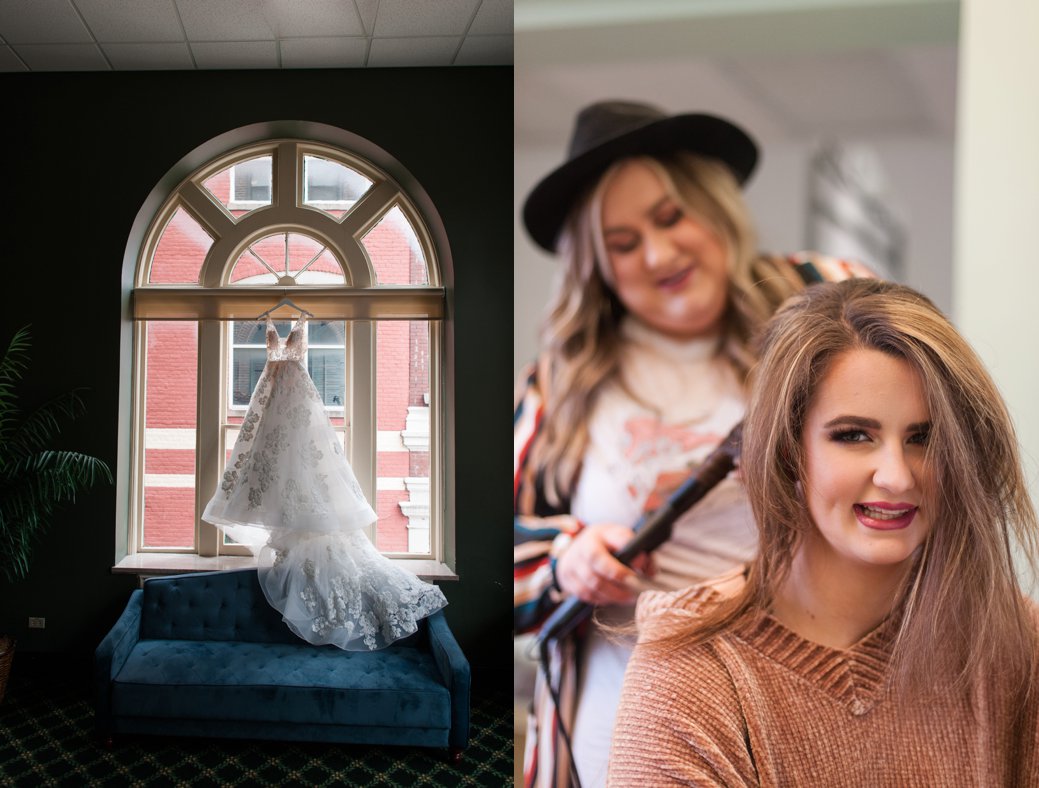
(337, 588)
(289, 495)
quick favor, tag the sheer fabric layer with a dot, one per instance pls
(289, 494)
(338, 589)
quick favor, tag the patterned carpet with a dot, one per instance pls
(46, 738)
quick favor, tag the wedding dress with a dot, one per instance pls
(289, 494)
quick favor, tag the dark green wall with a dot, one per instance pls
(81, 154)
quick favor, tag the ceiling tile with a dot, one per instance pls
(367, 9)
(63, 57)
(225, 20)
(48, 22)
(485, 51)
(493, 18)
(313, 18)
(323, 52)
(235, 54)
(408, 18)
(9, 61)
(413, 51)
(148, 57)
(138, 21)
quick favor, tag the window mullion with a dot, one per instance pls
(370, 208)
(361, 424)
(288, 181)
(136, 538)
(213, 219)
(441, 541)
(210, 402)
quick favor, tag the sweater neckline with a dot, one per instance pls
(635, 332)
(856, 677)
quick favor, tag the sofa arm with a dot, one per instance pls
(110, 656)
(454, 669)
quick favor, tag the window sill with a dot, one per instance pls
(153, 564)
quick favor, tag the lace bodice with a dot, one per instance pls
(293, 347)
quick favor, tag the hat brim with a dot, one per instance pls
(549, 202)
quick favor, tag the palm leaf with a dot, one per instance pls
(35, 481)
(16, 357)
(16, 543)
(58, 474)
(31, 491)
(12, 367)
(35, 430)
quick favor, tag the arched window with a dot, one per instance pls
(338, 235)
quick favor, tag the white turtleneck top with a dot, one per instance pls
(674, 401)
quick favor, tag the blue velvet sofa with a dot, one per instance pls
(205, 655)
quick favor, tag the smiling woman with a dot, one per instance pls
(884, 607)
(865, 482)
(669, 268)
(646, 350)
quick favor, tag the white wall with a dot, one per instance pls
(996, 272)
(920, 175)
(533, 270)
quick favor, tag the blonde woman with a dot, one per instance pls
(646, 351)
(880, 638)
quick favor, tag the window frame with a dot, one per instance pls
(214, 302)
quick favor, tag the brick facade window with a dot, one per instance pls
(337, 236)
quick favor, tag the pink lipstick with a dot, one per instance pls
(885, 516)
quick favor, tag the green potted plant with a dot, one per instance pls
(34, 479)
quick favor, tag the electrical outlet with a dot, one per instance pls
(37, 622)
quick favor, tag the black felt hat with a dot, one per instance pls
(610, 130)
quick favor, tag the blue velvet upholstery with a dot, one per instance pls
(206, 655)
(211, 606)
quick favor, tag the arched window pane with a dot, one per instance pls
(332, 187)
(180, 252)
(395, 252)
(170, 420)
(242, 187)
(325, 270)
(373, 371)
(249, 270)
(402, 418)
(287, 259)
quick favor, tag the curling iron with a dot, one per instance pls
(653, 529)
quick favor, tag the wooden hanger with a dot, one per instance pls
(285, 302)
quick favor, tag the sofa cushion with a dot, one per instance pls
(278, 682)
(211, 606)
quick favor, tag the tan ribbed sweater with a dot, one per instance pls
(760, 705)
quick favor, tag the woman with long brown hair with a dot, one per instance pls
(880, 637)
(646, 349)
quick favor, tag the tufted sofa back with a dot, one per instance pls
(211, 606)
